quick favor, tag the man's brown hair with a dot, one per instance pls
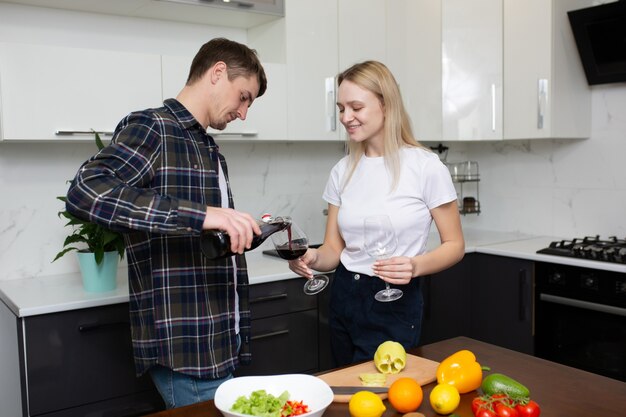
(240, 60)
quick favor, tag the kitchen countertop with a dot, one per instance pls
(64, 292)
(49, 294)
(560, 391)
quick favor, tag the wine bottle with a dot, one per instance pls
(216, 243)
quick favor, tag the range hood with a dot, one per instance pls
(600, 34)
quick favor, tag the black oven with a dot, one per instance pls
(580, 318)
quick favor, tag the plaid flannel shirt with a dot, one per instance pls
(153, 182)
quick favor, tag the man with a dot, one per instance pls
(162, 181)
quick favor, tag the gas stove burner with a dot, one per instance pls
(611, 249)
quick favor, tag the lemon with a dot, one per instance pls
(444, 398)
(366, 404)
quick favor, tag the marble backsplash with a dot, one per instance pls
(275, 177)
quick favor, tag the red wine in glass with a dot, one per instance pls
(292, 250)
(291, 244)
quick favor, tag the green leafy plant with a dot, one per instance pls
(98, 239)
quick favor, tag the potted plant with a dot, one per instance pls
(104, 248)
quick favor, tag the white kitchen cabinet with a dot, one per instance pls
(46, 90)
(491, 69)
(471, 77)
(546, 92)
(265, 119)
(311, 47)
(322, 38)
(414, 57)
(222, 13)
(447, 57)
(362, 31)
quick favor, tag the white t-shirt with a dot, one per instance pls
(424, 184)
(224, 192)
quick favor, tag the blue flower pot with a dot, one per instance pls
(98, 278)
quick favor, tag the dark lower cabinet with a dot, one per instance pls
(447, 304)
(289, 329)
(502, 302)
(283, 344)
(80, 362)
(485, 297)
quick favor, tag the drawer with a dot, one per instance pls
(284, 344)
(80, 357)
(279, 297)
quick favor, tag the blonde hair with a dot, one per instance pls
(375, 77)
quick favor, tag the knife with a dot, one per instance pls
(343, 390)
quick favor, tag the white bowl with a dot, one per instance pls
(311, 390)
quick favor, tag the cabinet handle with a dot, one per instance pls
(96, 326)
(268, 298)
(542, 101)
(244, 134)
(586, 305)
(271, 334)
(331, 102)
(524, 304)
(493, 107)
(81, 132)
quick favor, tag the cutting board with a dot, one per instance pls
(423, 370)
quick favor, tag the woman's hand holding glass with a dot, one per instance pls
(301, 265)
(380, 243)
(399, 269)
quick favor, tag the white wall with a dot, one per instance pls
(560, 188)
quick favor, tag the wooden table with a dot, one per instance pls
(560, 391)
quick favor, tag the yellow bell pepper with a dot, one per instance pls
(390, 357)
(461, 371)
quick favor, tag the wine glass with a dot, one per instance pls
(380, 243)
(292, 243)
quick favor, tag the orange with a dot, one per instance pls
(405, 395)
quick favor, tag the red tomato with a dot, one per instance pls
(528, 410)
(478, 404)
(503, 410)
(483, 412)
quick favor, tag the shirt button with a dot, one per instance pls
(189, 229)
(357, 277)
(195, 166)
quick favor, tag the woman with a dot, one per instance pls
(388, 172)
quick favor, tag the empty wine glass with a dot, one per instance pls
(292, 243)
(380, 243)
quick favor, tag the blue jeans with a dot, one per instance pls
(178, 389)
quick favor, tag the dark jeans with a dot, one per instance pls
(359, 323)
